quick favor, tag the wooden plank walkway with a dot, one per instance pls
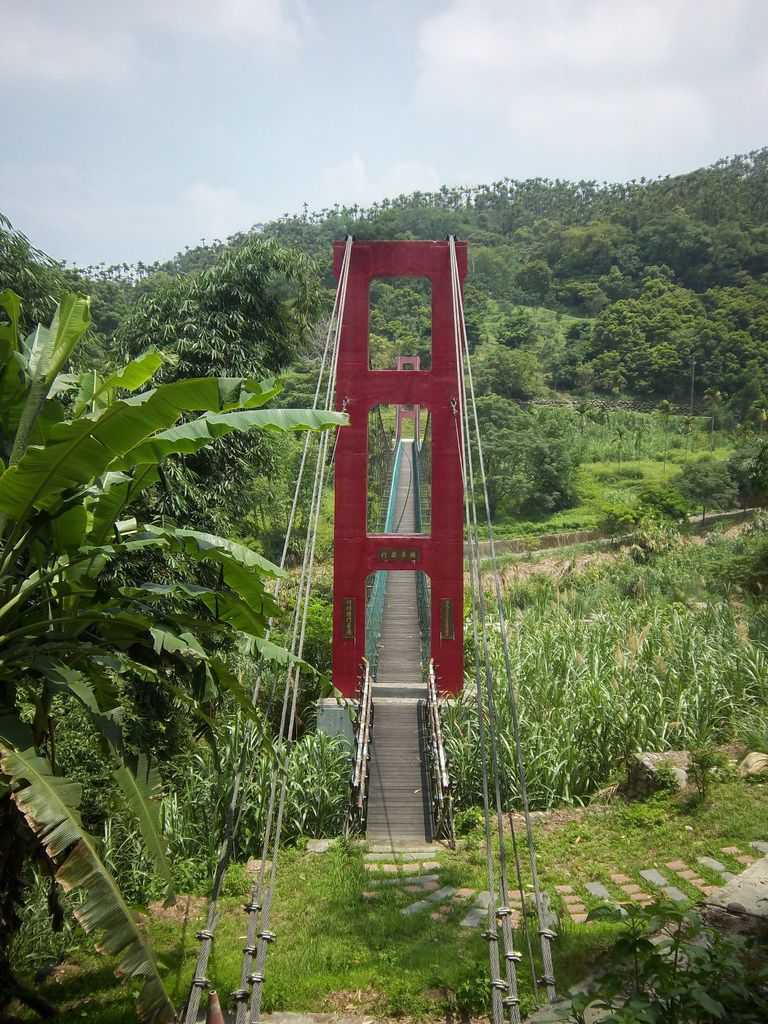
(398, 811)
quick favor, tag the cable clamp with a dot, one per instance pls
(241, 995)
(546, 980)
(490, 936)
(251, 950)
(513, 956)
(252, 908)
(546, 933)
(500, 985)
(509, 1001)
(255, 979)
(204, 933)
(503, 912)
(201, 983)
(267, 936)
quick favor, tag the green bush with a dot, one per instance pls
(664, 502)
(667, 967)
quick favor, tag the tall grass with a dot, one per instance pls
(600, 675)
(318, 768)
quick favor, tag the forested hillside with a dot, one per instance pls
(608, 289)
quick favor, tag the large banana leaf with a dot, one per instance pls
(94, 392)
(246, 616)
(50, 805)
(13, 385)
(9, 332)
(143, 791)
(188, 438)
(81, 450)
(207, 546)
(48, 348)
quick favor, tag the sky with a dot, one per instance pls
(132, 128)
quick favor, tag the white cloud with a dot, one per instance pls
(350, 181)
(64, 214)
(99, 41)
(602, 77)
(214, 212)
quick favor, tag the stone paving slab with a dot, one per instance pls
(441, 894)
(674, 894)
(414, 908)
(388, 856)
(421, 880)
(654, 877)
(759, 845)
(473, 918)
(732, 850)
(712, 864)
(598, 890)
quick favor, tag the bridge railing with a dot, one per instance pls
(440, 780)
(358, 783)
(422, 581)
(374, 605)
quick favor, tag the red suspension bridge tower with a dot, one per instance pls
(359, 389)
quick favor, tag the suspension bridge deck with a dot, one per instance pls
(398, 807)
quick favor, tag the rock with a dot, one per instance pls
(318, 845)
(643, 774)
(753, 764)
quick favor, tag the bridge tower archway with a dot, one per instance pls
(357, 553)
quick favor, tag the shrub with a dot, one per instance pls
(664, 502)
(690, 975)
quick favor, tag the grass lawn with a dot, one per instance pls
(601, 483)
(336, 950)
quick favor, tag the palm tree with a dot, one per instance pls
(665, 409)
(715, 399)
(619, 435)
(583, 410)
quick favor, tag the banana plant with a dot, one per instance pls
(76, 452)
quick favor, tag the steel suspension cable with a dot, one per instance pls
(545, 933)
(235, 808)
(258, 912)
(510, 1001)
